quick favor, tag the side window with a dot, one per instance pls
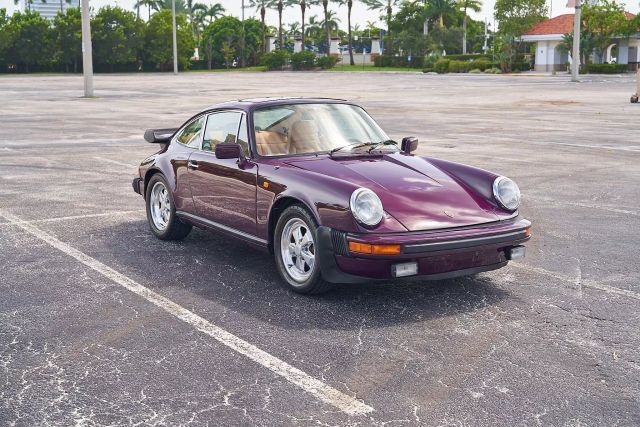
(191, 134)
(221, 128)
(243, 137)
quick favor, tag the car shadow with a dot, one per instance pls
(245, 280)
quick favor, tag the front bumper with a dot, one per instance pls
(439, 254)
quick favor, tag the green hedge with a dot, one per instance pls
(469, 57)
(445, 65)
(521, 66)
(326, 62)
(275, 60)
(303, 60)
(399, 61)
(607, 68)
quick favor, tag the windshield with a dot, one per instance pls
(315, 128)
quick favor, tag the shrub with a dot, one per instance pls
(304, 60)
(469, 57)
(275, 60)
(607, 68)
(493, 70)
(399, 62)
(326, 62)
(427, 70)
(441, 66)
(520, 66)
(475, 71)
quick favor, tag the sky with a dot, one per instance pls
(360, 14)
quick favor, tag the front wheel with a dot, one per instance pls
(161, 212)
(295, 240)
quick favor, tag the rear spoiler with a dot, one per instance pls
(159, 136)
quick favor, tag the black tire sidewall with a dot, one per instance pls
(296, 211)
(171, 223)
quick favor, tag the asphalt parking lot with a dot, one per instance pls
(102, 324)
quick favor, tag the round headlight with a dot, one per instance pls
(366, 207)
(506, 193)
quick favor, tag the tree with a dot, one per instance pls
(605, 20)
(214, 12)
(158, 40)
(224, 30)
(518, 16)
(303, 9)
(349, 4)
(181, 6)
(387, 7)
(586, 45)
(67, 37)
(228, 53)
(439, 9)
(279, 6)
(261, 6)
(476, 6)
(6, 35)
(30, 37)
(117, 36)
(150, 4)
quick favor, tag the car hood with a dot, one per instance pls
(412, 190)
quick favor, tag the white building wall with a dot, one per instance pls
(50, 8)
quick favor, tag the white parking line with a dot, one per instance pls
(72, 217)
(313, 386)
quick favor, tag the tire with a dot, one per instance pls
(163, 221)
(293, 263)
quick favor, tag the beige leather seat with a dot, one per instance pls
(271, 143)
(304, 137)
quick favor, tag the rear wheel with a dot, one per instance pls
(295, 240)
(161, 211)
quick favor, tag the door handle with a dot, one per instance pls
(192, 164)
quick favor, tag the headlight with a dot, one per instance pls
(366, 207)
(506, 193)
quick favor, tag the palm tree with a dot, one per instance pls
(476, 6)
(261, 5)
(214, 11)
(303, 9)
(279, 6)
(294, 28)
(349, 4)
(438, 9)
(181, 6)
(387, 7)
(192, 9)
(150, 4)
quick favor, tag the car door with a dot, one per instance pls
(186, 141)
(224, 190)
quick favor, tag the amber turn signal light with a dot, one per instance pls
(527, 232)
(365, 248)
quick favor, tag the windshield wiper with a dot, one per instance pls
(356, 145)
(383, 143)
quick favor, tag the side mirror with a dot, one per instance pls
(228, 151)
(409, 144)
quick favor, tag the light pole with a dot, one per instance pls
(87, 54)
(175, 41)
(575, 64)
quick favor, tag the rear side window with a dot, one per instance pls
(191, 134)
(221, 128)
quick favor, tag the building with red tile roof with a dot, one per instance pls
(547, 35)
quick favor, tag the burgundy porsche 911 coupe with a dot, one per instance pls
(321, 186)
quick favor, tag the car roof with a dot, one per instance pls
(253, 103)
